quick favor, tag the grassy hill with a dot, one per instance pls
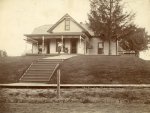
(12, 68)
(105, 69)
(84, 69)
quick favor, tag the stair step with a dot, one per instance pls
(41, 69)
(60, 60)
(39, 65)
(38, 72)
(48, 62)
(37, 77)
(44, 69)
(36, 64)
(36, 81)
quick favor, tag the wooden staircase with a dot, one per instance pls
(40, 71)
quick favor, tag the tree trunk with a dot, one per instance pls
(109, 27)
(137, 53)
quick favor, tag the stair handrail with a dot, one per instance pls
(55, 69)
(27, 69)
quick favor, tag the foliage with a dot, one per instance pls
(135, 39)
(3, 53)
(107, 19)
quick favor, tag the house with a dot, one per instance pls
(75, 37)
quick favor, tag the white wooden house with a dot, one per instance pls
(75, 37)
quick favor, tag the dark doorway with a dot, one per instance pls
(100, 48)
(74, 46)
(48, 46)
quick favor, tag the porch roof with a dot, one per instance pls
(57, 34)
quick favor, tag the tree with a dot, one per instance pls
(5, 53)
(135, 39)
(108, 19)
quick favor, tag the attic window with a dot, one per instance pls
(67, 24)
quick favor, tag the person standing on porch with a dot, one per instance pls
(59, 47)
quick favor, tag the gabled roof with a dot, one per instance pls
(63, 18)
(47, 29)
(86, 26)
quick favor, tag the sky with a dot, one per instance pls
(19, 17)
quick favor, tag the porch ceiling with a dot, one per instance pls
(55, 35)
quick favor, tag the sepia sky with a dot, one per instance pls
(18, 17)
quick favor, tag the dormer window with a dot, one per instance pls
(67, 24)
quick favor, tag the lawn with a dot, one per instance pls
(76, 95)
(74, 108)
(105, 70)
(83, 100)
(12, 68)
(84, 69)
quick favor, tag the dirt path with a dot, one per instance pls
(74, 108)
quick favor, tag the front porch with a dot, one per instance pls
(48, 44)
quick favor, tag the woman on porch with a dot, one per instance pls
(59, 47)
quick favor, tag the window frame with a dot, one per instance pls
(67, 24)
(102, 49)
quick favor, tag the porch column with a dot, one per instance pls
(62, 49)
(80, 40)
(42, 44)
(37, 47)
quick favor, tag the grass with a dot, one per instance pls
(81, 95)
(84, 69)
(105, 70)
(12, 68)
(73, 108)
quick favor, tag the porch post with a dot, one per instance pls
(37, 47)
(42, 44)
(80, 40)
(62, 49)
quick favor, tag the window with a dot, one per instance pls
(67, 24)
(100, 47)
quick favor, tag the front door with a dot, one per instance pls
(48, 46)
(74, 46)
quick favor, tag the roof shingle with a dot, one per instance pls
(42, 29)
